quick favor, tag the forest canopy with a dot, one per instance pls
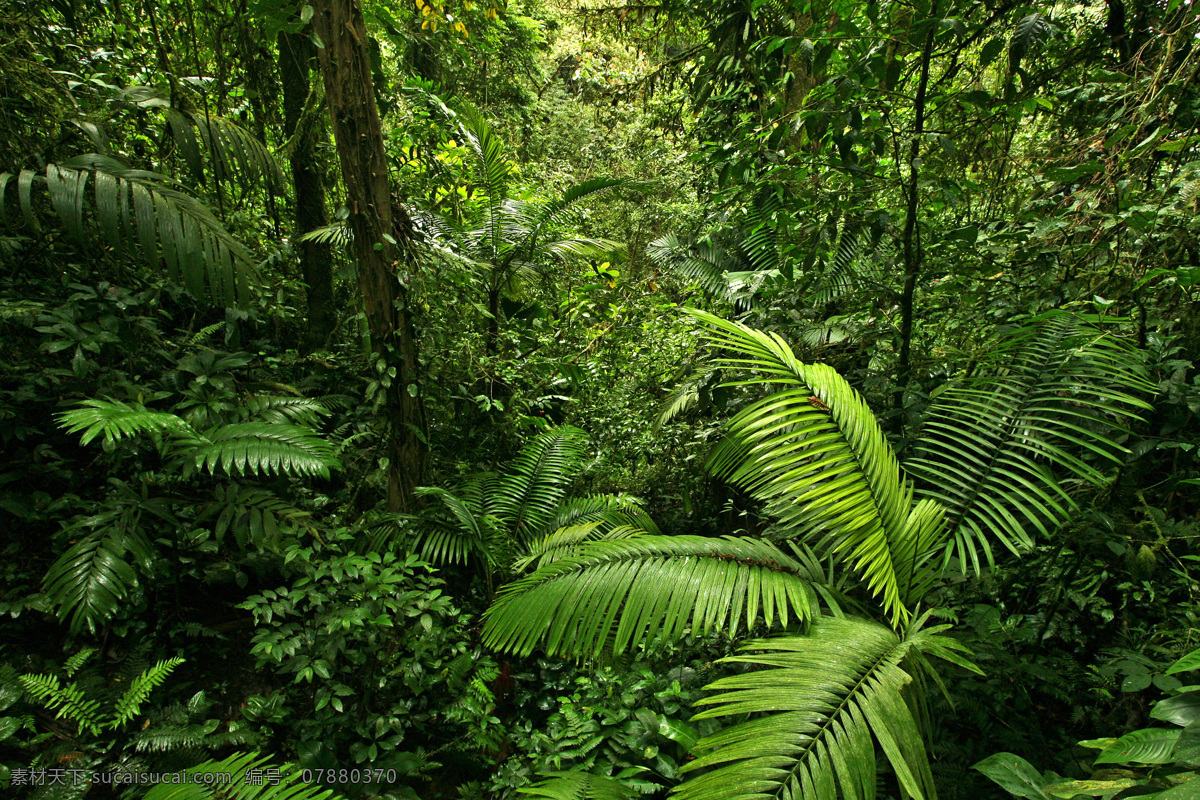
(484, 398)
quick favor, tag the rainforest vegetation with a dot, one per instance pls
(477, 399)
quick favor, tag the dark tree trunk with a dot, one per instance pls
(296, 52)
(381, 237)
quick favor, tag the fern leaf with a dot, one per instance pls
(130, 703)
(76, 662)
(628, 591)
(69, 701)
(232, 779)
(530, 491)
(579, 786)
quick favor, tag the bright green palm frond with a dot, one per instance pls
(231, 779)
(824, 700)
(816, 455)
(91, 579)
(566, 541)
(611, 509)
(130, 205)
(527, 496)
(1052, 399)
(117, 420)
(261, 447)
(628, 591)
(130, 703)
(595, 249)
(469, 531)
(579, 786)
(537, 218)
(702, 263)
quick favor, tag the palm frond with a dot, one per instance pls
(529, 493)
(117, 420)
(231, 779)
(816, 455)
(823, 702)
(262, 447)
(231, 150)
(1053, 394)
(468, 532)
(300, 410)
(131, 205)
(628, 591)
(579, 786)
(566, 541)
(130, 703)
(90, 580)
(704, 263)
(581, 248)
(257, 517)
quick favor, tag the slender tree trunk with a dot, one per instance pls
(911, 238)
(296, 52)
(381, 237)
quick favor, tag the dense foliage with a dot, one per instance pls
(477, 398)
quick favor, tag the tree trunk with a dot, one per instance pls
(296, 52)
(381, 237)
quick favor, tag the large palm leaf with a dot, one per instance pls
(1051, 398)
(135, 206)
(821, 703)
(240, 777)
(625, 592)
(815, 454)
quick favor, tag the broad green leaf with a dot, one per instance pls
(1147, 746)
(1015, 775)
(1181, 710)
(1189, 662)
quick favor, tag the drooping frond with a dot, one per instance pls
(130, 704)
(821, 705)
(702, 263)
(607, 509)
(228, 779)
(814, 452)
(257, 518)
(90, 580)
(1029, 31)
(531, 489)
(230, 149)
(130, 206)
(465, 531)
(537, 218)
(262, 447)
(628, 591)
(1051, 396)
(117, 420)
(579, 786)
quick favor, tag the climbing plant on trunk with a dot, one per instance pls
(382, 237)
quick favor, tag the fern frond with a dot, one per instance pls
(262, 447)
(257, 517)
(566, 541)
(816, 455)
(231, 779)
(76, 662)
(822, 703)
(1051, 400)
(69, 701)
(579, 786)
(628, 591)
(117, 420)
(130, 703)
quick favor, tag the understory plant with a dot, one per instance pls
(808, 711)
